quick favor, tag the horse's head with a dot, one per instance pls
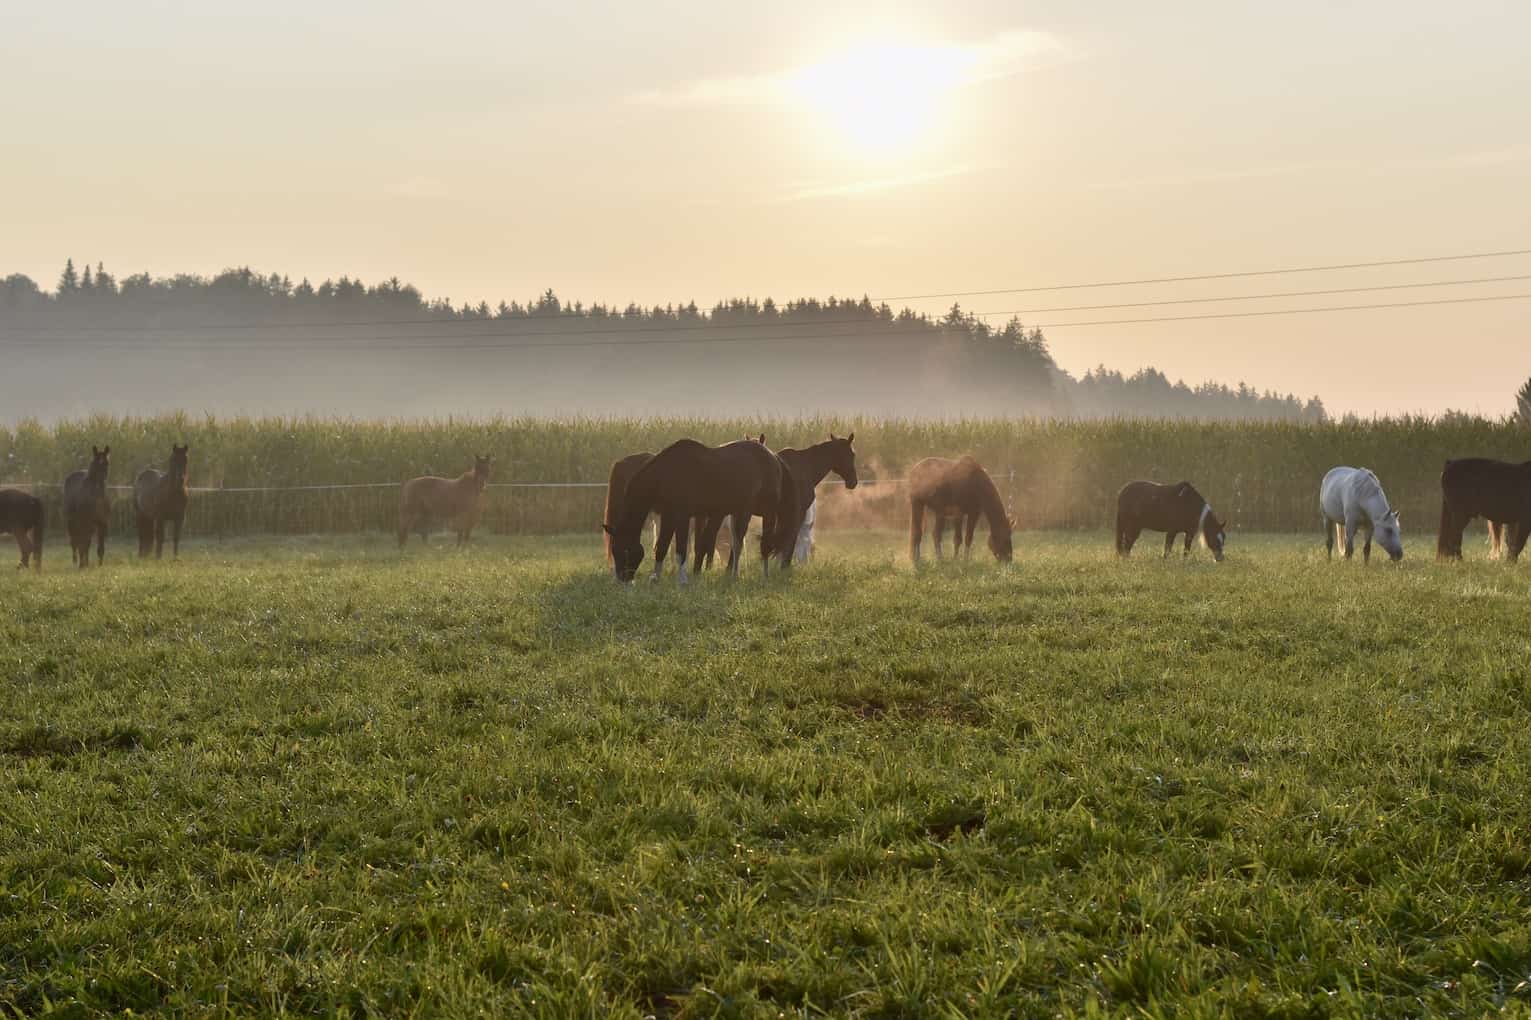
(843, 458)
(1214, 533)
(1389, 535)
(100, 461)
(626, 552)
(179, 461)
(1000, 543)
(481, 468)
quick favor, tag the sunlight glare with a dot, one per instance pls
(882, 96)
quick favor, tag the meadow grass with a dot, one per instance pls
(322, 777)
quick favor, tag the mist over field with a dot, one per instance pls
(244, 343)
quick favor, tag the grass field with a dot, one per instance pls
(315, 776)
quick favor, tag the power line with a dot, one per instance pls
(361, 323)
(1270, 294)
(899, 326)
(384, 346)
(1209, 276)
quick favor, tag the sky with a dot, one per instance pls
(667, 152)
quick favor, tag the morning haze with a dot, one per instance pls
(665, 154)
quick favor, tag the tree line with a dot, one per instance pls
(1005, 368)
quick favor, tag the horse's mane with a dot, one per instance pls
(988, 496)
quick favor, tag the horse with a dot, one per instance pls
(809, 467)
(87, 508)
(1172, 509)
(1478, 487)
(959, 489)
(1498, 539)
(158, 497)
(21, 514)
(1350, 499)
(687, 480)
(616, 485)
(458, 500)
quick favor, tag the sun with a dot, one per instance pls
(882, 96)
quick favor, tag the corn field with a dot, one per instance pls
(288, 476)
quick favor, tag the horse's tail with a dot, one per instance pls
(789, 517)
(145, 532)
(613, 508)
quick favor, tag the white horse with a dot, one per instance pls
(1352, 499)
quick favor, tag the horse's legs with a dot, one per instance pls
(1129, 537)
(682, 539)
(24, 547)
(738, 524)
(1328, 538)
(145, 534)
(972, 525)
(1190, 536)
(916, 529)
(159, 538)
(940, 532)
(100, 544)
(1350, 535)
(1169, 543)
(662, 545)
(175, 536)
(1515, 540)
(1366, 548)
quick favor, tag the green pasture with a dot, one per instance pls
(318, 776)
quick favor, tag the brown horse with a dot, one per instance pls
(616, 485)
(22, 515)
(87, 507)
(1171, 509)
(1479, 487)
(808, 467)
(959, 489)
(426, 500)
(158, 497)
(687, 480)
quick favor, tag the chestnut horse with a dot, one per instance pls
(1479, 487)
(429, 499)
(87, 507)
(158, 497)
(959, 489)
(808, 467)
(22, 515)
(1171, 509)
(688, 480)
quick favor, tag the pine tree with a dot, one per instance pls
(1523, 403)
(69, 280)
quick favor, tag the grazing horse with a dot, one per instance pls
(809, 467)
(616, 485)
(1172, 509)
(1498, 539)
(459, 500)
(1478, 487)
(1350, 499)
(959, 489)
(21, 514)
(687, 480)
(87, 507)
(160, 496)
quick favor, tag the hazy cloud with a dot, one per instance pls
(875, 185)
(955, 64)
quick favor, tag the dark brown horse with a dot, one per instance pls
(160, 497)
(688, 480)
(87, 507)
(960, 489)
(809, 467)
(616, 486)
(1479, 487)
(22, 515)
(1172, 509)
(458, 501)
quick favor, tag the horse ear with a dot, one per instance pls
(851, 438)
